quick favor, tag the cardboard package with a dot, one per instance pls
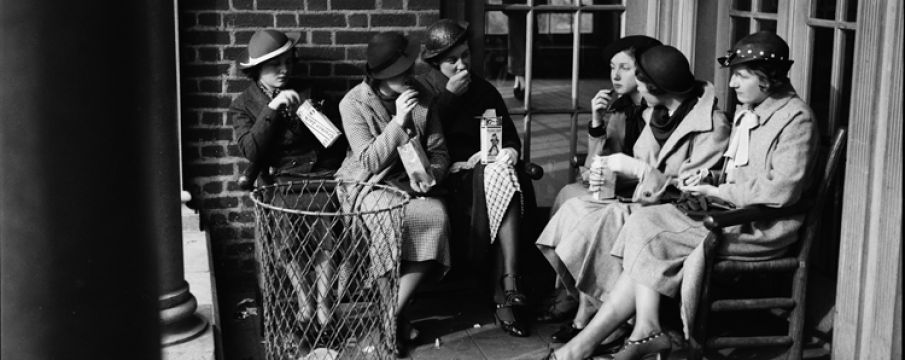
(491, 136)
(600, 170)
(415, 161)
(322, 128)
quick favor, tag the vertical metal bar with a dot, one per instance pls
(529, 69)
(475, 11)
(576, 46)
(836, 81)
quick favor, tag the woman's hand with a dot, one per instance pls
(627, 166)
(419, 186)
(508, 156)
(288, 98)
(458, 83)
(405, 103)
(599, 104)
(707, 190)
(466, 165)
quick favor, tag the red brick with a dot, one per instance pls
(358, 20)
(247, 232)
(208, 54)
(322, 20)
(319, 69)
(209, 19)
(317, 5)
(210, 86)
(213, 151)
(240, 248)
(186, 21)
(232, 53)
(254, 20)
(321, 37)
(352, 4)
(426, 19)
(348, 69)
(214, 187)
(243, 4)
(286, 20)
(396, 20)
(233, 150)
(423, 4)
(281, 4)
(234, 86)
(391, 4)
(205, 101)
(217, 220)
(203, 5)
(200, 37)
(204, 70)
(190, 86)
(242, 37)
(221, 233)
(211, 169)
(242, 217)
(354, 37)
(356, 52)
(321, 53)
(212, 119)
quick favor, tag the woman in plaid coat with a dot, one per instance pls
(379, 114)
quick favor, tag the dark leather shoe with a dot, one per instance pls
(508, 321)
(519, 93)
(565, 333)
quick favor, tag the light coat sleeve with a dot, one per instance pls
(789, 161)
(374, 153)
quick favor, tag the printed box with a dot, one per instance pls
(322, 128)
(491, 136)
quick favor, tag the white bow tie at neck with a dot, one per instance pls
(738, 145)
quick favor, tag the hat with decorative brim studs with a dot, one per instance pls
(265, 45)
(762, 46)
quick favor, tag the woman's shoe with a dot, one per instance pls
(561, 306)
(565, 333)
(550, 355)
(405, 335)
(656, 344)
(614, 341)
(505, 314)
(513, 296)
(518, 93)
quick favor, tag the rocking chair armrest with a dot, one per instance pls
(754, 213)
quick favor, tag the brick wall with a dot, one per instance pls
(213, 33)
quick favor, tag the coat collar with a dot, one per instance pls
(699, 119)
(771, 104)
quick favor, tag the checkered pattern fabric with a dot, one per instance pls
(500, 184)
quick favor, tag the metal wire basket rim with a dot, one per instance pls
(405, 198)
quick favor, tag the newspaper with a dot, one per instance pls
(322, 128)
(491, 136)
(415, 161)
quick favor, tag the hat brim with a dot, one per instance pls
(401, 65)
(245, 62)
(428, 55)
(730, 61)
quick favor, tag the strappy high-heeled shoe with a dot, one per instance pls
(656, 344)
(511, 293)
(565, 333)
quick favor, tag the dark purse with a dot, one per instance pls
(698, 206)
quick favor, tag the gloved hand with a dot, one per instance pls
(466, 165)
(627, 166)
(507, 156)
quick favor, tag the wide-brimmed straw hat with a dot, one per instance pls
(390, 54)
(265, 45)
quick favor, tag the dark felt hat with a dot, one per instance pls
(668, 69)
(442, 36)
(762, 46)
(638, 42)
(390, 54)
(265, 45)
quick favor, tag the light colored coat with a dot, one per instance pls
(663, 247)
(578, 239)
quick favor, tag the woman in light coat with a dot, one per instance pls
(769, 162)
(685, 135)
(380, 114)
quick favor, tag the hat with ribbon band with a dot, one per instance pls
(390, 54)
(265, 45)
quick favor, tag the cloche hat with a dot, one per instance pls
(668, 69)
(390, 54)
(265, 45)
(763, 46)
(639, 42)
(442, 36)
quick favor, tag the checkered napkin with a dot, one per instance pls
(500, 184)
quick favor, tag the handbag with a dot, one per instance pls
(698, 206)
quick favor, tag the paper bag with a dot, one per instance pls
(322, 128)
(491, 136)
(415, 161)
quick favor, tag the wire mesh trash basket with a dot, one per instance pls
(328, 268)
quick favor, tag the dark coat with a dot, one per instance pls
(268, 138)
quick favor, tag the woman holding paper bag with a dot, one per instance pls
(770, 161)
(684, 136)
(276, 142)
(490, 199)
(379, 115)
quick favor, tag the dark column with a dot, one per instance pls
(88, 180)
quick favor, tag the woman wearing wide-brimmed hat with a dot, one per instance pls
(280, 146)
(487, 202)
(769, 161)
(685, 136)
(384, 111)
